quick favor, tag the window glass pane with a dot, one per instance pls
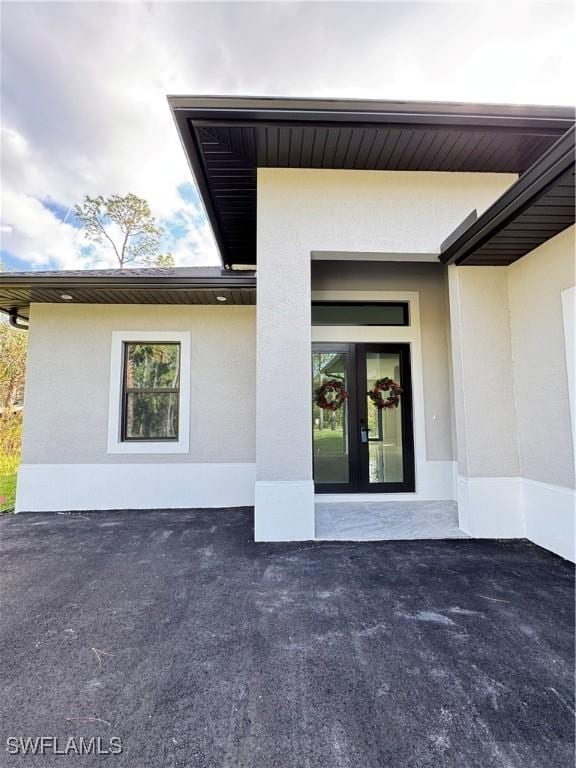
(152, 366)
(330, 423)
(151, 416)
(351, 313)
(385, 442)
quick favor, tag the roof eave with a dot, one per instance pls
(18, 292)
(194, 159)
(194, 113)
(530, 186)
(368, 111)
(162, 282)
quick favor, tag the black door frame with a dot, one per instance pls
(358, 411)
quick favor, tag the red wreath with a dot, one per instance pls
(331, 395)
(378, 397)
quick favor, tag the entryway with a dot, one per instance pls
(386, 520)
(362, 418)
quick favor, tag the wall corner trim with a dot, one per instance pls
(517, 507)
(284, 510)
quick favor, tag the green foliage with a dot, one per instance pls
(10, 440)
(125, 223)
(13, 345)
(7, 492)
(162, 260)
(152, 367)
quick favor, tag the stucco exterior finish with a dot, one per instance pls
(371, 211)
(284, 387)
(430, 281)
(302, 211)
(511, 398)
(284, 492)
(483, 382)
(68, 381)
(512, 405)
(490, 354)
(535, 285)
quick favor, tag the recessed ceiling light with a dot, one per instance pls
(221, 298)
(66, 296)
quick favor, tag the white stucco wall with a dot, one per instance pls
(65, 461)
(304, 211)
(372, 211)
(508, 333)
(482, 349)
(513, 428)
(541, 355)
(68, 377)
(535, 284)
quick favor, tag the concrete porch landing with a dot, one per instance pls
(387, 520)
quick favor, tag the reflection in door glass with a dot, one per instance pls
(385, 443)
(329, 427)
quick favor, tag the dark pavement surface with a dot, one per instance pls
(199, 648)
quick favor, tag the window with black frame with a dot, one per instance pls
(360, 313)
(150, 391)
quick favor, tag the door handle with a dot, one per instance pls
(364, 432)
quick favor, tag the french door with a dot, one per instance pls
(359, 447)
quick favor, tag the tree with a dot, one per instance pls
(126, 224)
(13, 346)
(161, 260)
(12, 372)
(12, 365)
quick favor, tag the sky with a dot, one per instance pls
(84, 86)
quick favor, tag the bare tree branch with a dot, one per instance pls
(130, 214)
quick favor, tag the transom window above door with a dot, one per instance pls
(360, 313)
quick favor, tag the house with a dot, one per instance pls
(393, 320)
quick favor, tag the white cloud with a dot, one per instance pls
(196, 245)
(37, 233)
(94, 121)
(85, 84)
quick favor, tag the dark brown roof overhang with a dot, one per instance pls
(226, 139)
(133, 286)
(537, 207)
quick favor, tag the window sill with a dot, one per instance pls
(149, 446)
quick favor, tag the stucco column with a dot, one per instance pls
(489, 489)
(284, 498)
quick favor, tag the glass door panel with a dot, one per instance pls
(330, 424)
(358, 446)
(385, 443)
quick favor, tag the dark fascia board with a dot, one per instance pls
(191, 112)
(229, 281)
(464, 225)
(64, 282)
(199, 176)
(239, 109)
(530, 186)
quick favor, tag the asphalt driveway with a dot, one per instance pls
(198, 648)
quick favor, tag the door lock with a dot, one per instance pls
(364, 431)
